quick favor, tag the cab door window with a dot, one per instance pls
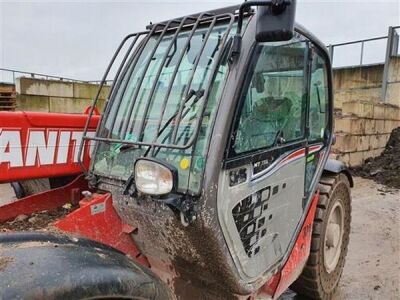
(318, 112)
(273, 109)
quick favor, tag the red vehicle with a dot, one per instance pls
(209, 173)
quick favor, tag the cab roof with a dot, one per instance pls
(234, 9)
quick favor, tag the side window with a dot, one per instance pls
(273, 109)
(319, 106)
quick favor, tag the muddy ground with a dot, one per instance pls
(372, 269)
(385, 168)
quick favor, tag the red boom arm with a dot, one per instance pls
(37, 145)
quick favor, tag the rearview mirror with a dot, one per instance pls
(276, 22)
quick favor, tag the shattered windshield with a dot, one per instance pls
(161, 100)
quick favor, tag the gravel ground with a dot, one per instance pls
(372, 269)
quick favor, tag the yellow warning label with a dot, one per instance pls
(184, 164)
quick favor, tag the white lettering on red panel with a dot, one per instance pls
(42, 147)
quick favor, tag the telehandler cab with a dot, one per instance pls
(209, 175)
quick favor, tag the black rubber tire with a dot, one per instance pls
(35, 186)
(315, 282)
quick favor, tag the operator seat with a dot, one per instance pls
(269, 116)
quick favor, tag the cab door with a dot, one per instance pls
(319, 117)
(261, 187)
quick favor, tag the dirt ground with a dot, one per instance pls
(385, 168)
(372, 269)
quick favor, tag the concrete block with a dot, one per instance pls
(342, 125)
(394, 69)
(369, 127)
(358, 77)
(380, 126)
(346, 143)
(379, 111)
(59, 89)
(393, 93)
(378, 141)
(32, 103)
(390, 125)
(350, 125)
(346, 78)
(369, 95)
(359, 109)
(372, 95)
(371, 76)
(89, 91)
(39, 87)
(68, 105)
(377, 152)
(356, 159)
(363, 142)
(392, 112)
(339, 98)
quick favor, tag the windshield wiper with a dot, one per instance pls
(189, 96)
(198, 94)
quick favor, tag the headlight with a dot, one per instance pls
(154, 178)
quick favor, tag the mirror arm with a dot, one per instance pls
(244, 7)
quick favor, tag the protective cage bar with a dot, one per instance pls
(115, 85)
(190, 23)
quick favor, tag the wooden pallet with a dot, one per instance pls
(7, 98)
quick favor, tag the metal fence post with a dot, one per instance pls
(389, 48)
(395, 43)
(330, 47)
(362, 53)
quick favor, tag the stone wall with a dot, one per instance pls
(363, 122)
(393, 87)
(357, 84)
(363, 130)
(56, 96)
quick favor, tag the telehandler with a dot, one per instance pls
(209, 174)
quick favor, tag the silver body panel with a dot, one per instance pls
(282, 213)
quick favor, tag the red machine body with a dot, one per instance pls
(37, 145)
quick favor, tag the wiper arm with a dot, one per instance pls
(189, 96)
(319, 97)
(198, 94)
(279, 139)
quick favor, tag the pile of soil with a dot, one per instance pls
(384, 169)
(37, 221)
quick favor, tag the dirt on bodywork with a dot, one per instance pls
(4, 261)
(384, 169)
(37, 221)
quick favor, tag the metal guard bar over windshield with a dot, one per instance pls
(160, 30)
